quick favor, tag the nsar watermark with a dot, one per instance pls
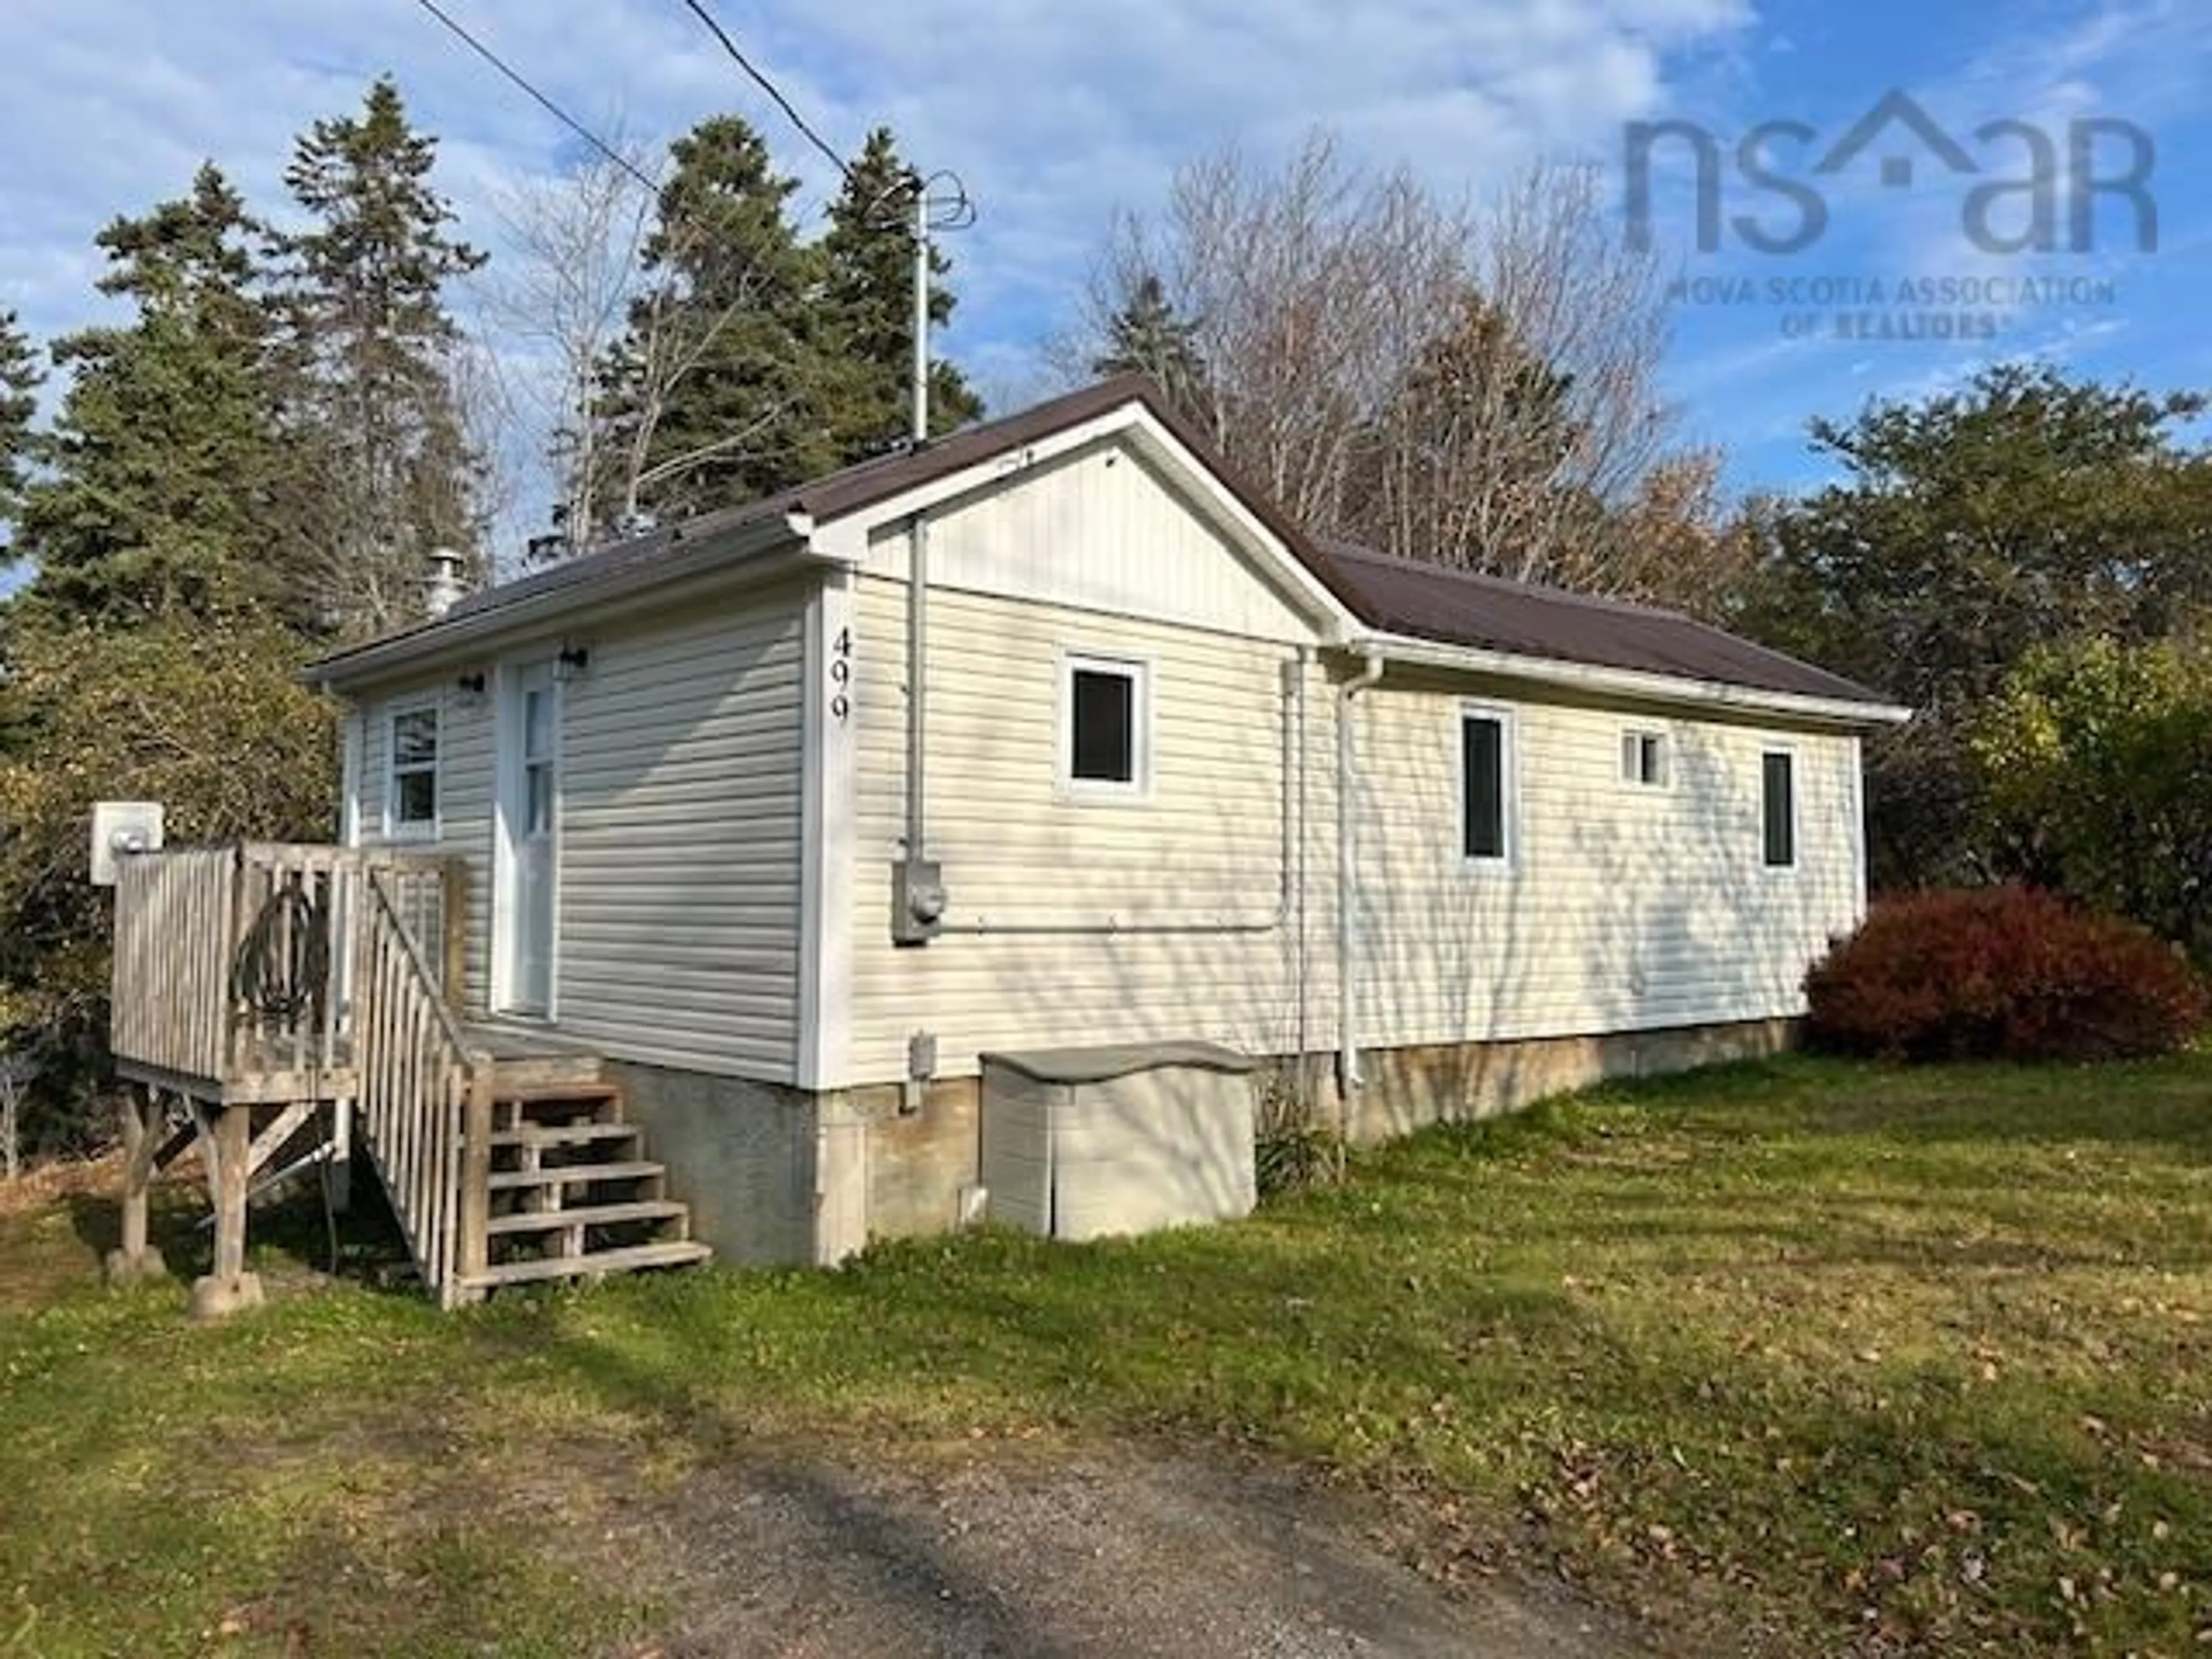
(2024, 187)
(1910, 308)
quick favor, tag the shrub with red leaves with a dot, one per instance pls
(2001, 972)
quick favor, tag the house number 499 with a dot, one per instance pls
(841, 676)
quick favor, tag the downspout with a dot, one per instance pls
(1347, 871)
(917, 685)
(917, 884)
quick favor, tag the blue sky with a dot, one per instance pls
(1056, 114)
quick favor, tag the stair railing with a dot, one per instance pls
(425, 1100)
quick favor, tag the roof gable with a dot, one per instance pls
(1388, 595)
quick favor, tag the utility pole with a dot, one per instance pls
(920, 311)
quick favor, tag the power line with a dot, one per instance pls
(700, 11)
(957, 214)
(543, 101)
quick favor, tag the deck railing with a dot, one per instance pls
(424, 1096)
(172, 953)
(302, 975)
(232, 963)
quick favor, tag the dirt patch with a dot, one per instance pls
(1099, 1553)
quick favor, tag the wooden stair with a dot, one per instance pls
(573, 1192)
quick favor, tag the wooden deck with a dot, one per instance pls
(266, 989)
(267, 994)
(233, 965)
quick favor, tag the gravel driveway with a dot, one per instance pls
(1112, 1555)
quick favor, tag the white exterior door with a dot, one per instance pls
(529, 805)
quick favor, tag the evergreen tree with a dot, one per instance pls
(1149, 335)
(721, 389)
(20, 378)
(376, 411)
(164, 458)
(867, 308)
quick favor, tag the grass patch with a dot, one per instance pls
(1801, 1357)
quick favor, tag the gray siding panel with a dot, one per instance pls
(1626, 907)
(1203, 847)
(680, 847)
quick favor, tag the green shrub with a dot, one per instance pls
(209, 719)
(2000, 973)
(2092, 758)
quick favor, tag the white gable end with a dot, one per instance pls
(1117, 523)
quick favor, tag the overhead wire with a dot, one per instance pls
(698, 10)
(959, 211)
(536, 97)
(953, 212)
(956, 212)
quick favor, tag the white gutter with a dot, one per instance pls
(1702, 695)
(1347, 871)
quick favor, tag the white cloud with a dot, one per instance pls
(1053, 115)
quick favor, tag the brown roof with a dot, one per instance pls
(1459, 607)
(1394, 596)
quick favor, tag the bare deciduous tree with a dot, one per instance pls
(559, 298)
(577, 306)
(1472, 384)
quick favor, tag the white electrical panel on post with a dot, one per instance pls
(121, 828)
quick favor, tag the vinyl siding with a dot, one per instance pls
(679, 842)
(1624, 907)
(1102, 529)
(466, 796)
(1204, 845)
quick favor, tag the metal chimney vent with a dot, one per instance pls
(446, 585)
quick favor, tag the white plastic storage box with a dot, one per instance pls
(1079, 1143)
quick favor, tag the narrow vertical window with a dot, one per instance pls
(1778, 807)
(1485, 782)
(410, 799)
(1644, 759)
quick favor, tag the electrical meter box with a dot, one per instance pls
(121, 828)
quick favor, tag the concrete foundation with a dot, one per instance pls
(776, 1175)
(741, 1154)
(919, 1161)
(1409, 1089)
(127, 1268)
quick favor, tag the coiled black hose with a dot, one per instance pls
(282, 969)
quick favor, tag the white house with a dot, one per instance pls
(1434, 843)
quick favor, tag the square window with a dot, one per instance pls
(1104, 738)
(1778, 808)
(1486, 787)
(1644, 759)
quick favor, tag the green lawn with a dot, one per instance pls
(1803, 1357)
